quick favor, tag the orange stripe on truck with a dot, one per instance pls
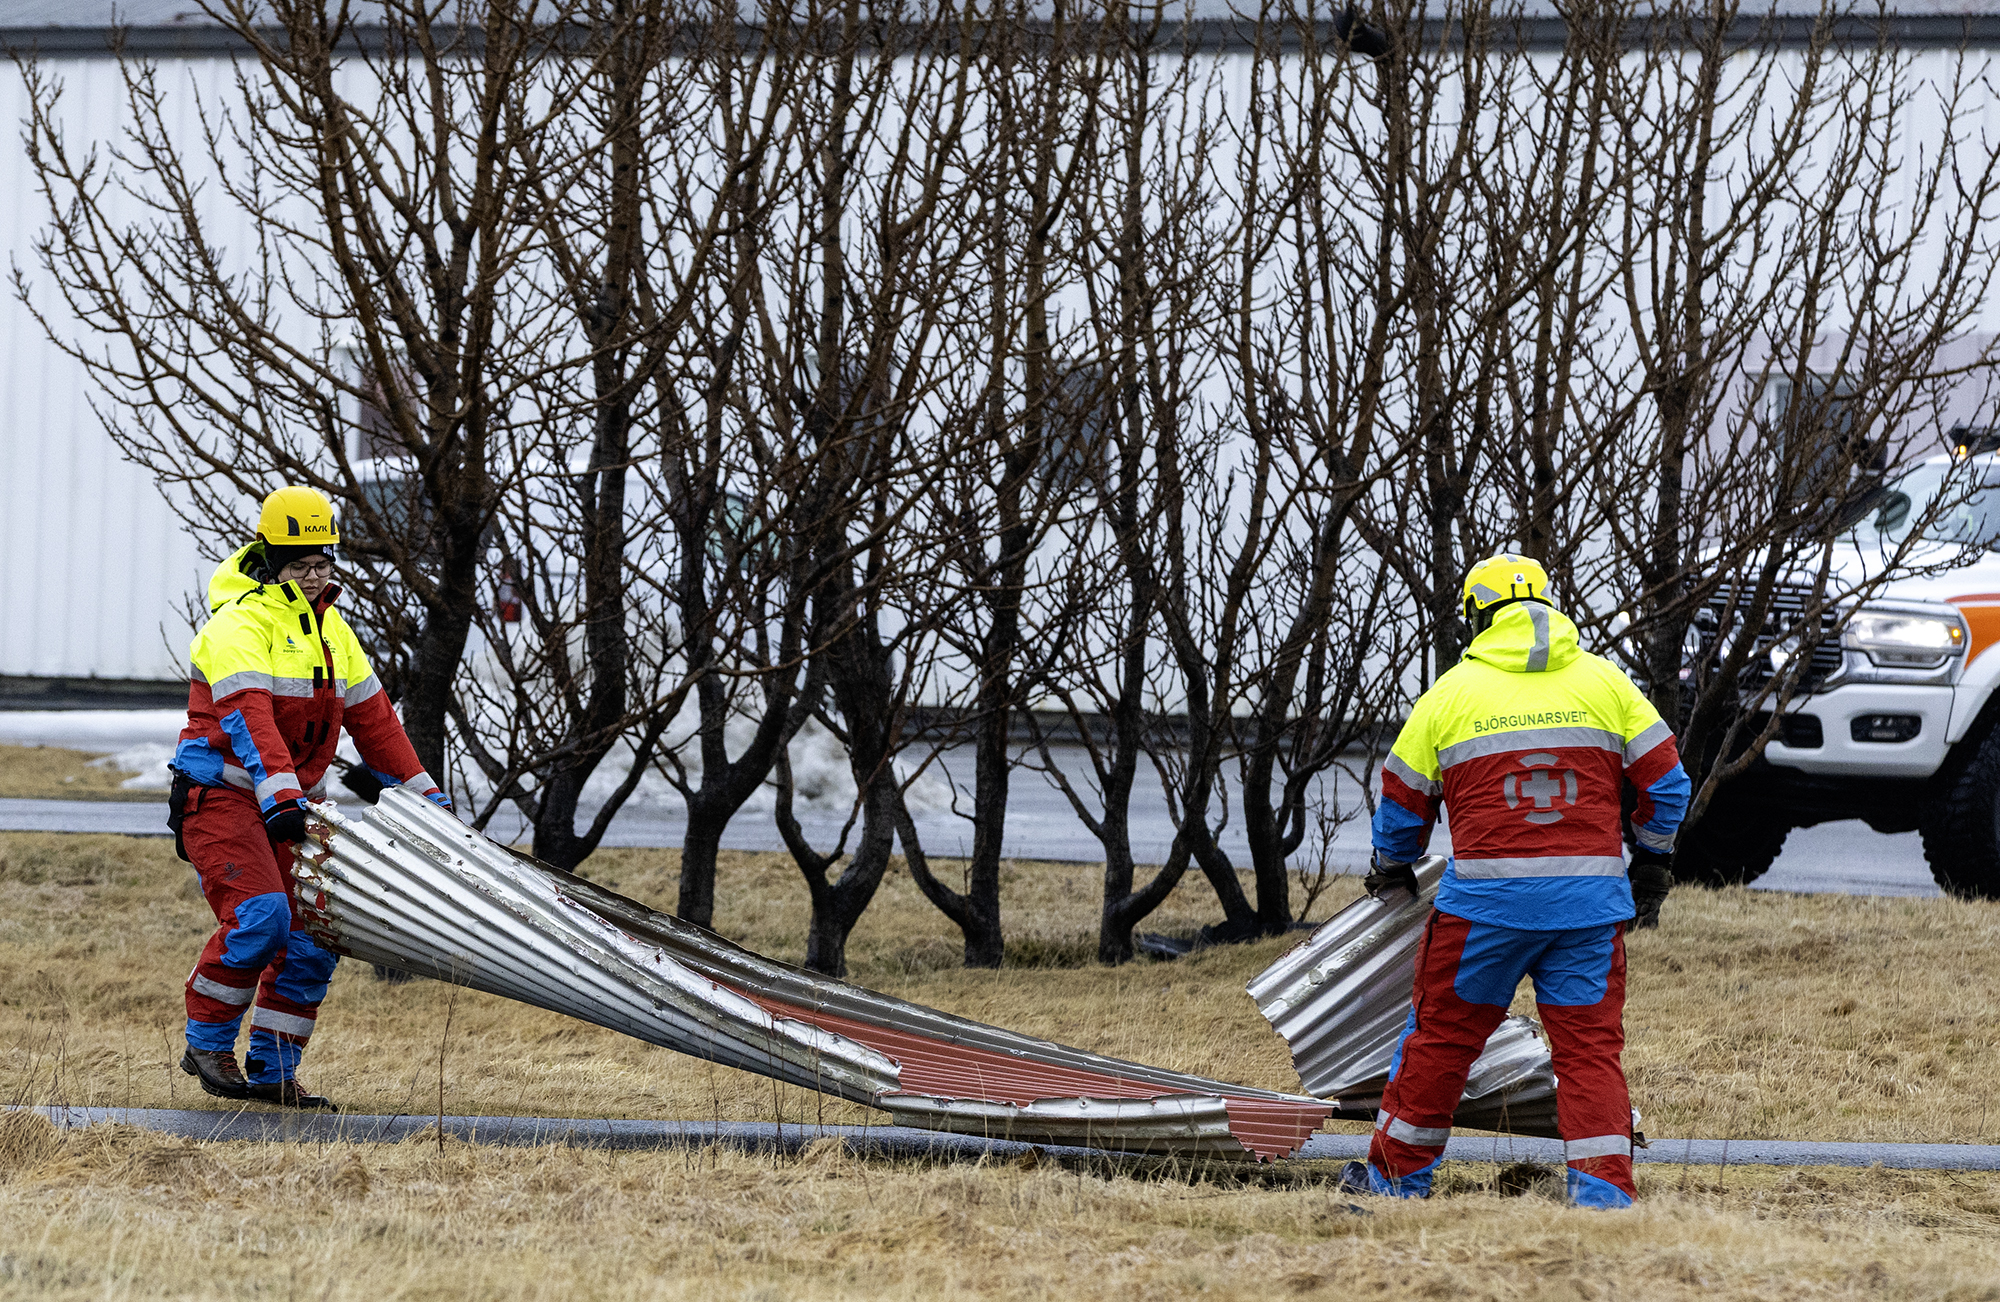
(1982, 618)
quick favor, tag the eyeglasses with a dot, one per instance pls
(304, 570)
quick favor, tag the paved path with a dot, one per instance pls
(904, 1141)
(1835, 857)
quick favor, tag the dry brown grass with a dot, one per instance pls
(118, 1212)
(1751, 1015)
(53, 773)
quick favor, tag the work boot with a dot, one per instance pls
(287, 1093)
(217, 1071)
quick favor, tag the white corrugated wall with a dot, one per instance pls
(94, 567)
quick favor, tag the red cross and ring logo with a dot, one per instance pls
(1540, 788)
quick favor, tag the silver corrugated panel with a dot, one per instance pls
(407, 885)
(1340, 1001)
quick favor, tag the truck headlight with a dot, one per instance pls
(1895, 640)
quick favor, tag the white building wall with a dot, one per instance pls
(95, 570)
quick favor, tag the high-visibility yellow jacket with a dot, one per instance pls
(1527, 742)
(272, 680)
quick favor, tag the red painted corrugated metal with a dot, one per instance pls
(408, 885)
(944, 1069)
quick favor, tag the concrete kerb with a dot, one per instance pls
(903, 1141)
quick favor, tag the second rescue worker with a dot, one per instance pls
(275, 674)
(1528, 742)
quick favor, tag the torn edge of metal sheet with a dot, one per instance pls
(407, 885)
(1340, 1001)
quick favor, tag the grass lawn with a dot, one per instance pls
(1750, 1015)
(53, 773)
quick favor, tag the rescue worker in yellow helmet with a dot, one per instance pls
(1528, 743)
(275, 674)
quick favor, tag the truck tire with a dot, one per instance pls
(1960, 824)
(1736, 841)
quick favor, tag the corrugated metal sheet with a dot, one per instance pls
(407, 884)
(1340, 1001)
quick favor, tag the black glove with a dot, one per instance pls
(1387, 874)
(287, 822)
(1652, 875)
(362, 781)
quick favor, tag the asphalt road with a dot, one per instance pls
(1834, 857)
(1838, 857)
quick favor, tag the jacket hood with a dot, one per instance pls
(232, 582)
(231, 579)
(1527, 638)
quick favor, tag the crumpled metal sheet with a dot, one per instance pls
(1340, 1001)
(407, 885)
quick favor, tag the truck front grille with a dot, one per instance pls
(1718, 623)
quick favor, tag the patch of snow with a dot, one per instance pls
(142, 742)
(147, 762)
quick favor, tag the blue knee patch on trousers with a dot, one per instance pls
(214, 1037)
(1417, 1184)
(262, 924)
(1586, 1190)
(307, 970)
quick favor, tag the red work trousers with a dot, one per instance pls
(1466, 976)
(254, 954)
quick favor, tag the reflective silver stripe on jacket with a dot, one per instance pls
(244, 681)
(282, 1023)
(1420, 1136)
(1506, 743)
(292, 687)
(221, 993)
(1645, 741)
(236, 776)
(419, 782)
(1575, 1150)
(1538, 654)
(1661, 841)
(275, 783)
(362, 690)
(1560, 865)
(1410, 777)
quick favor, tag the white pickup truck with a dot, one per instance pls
(1896, 722)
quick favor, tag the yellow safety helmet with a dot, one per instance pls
(298, 517)
(1501, 579)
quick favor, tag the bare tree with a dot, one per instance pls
(996, 508)
(878, 330)
(334, 254)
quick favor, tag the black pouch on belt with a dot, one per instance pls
(177, 812)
